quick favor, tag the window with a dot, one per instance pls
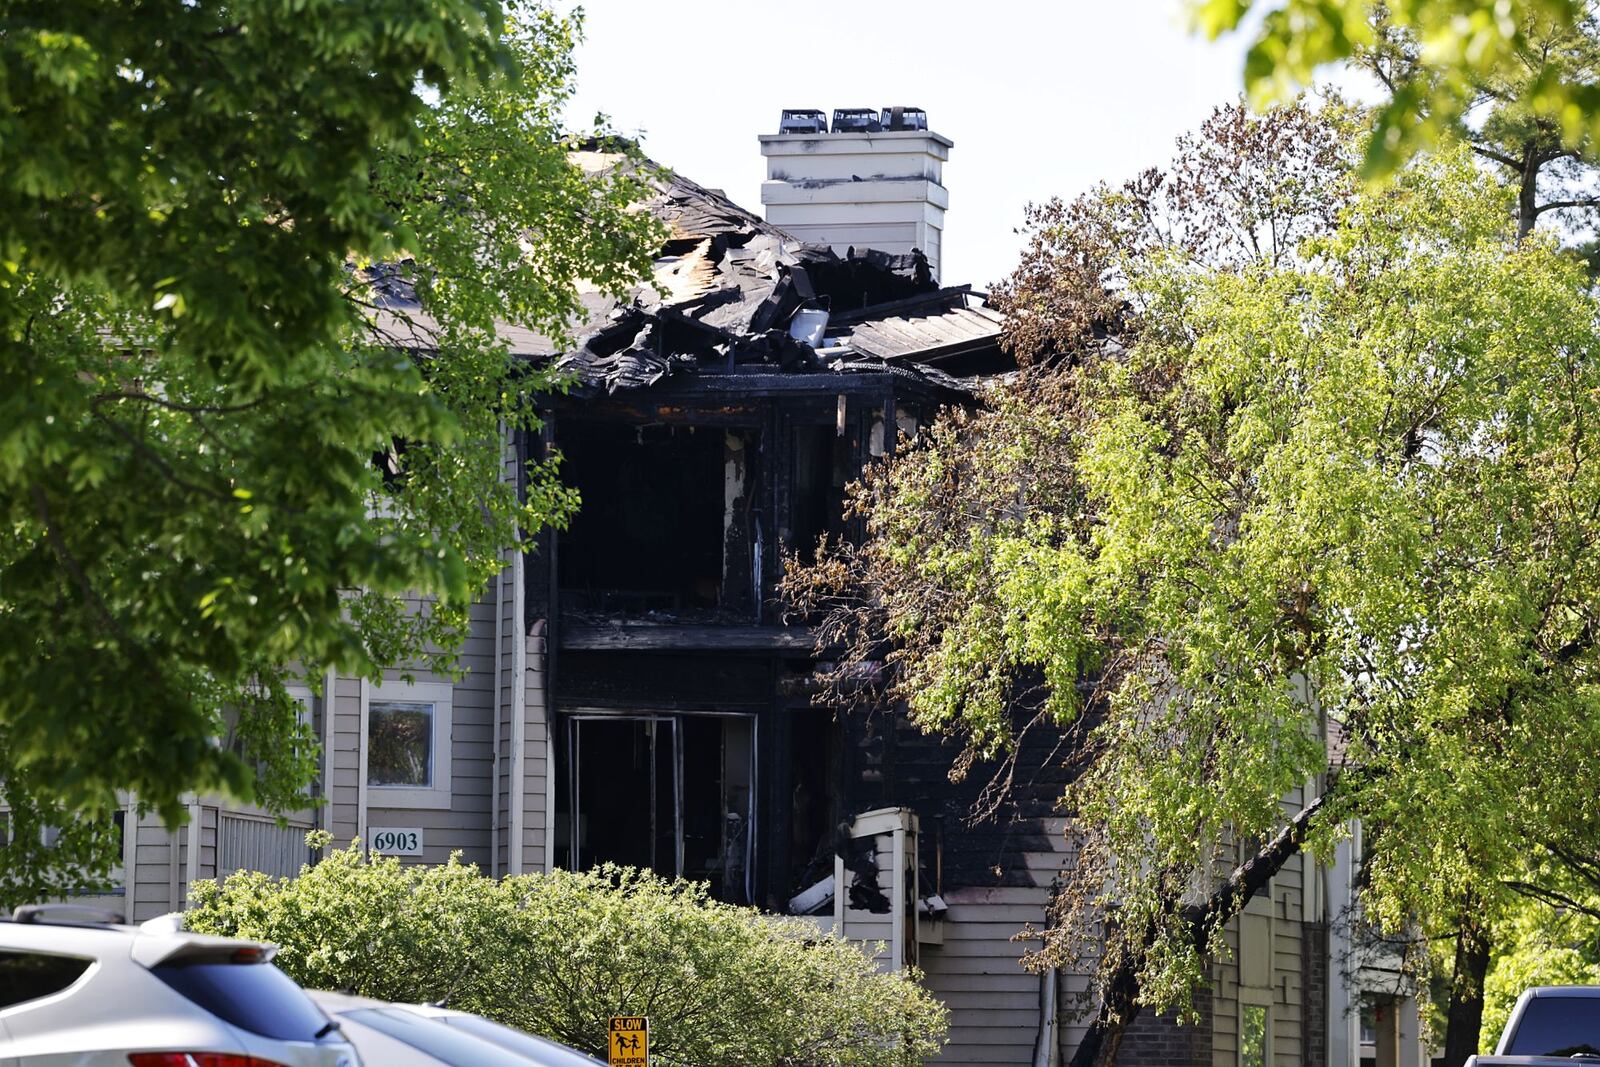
(114, 883)
(407, 755)
(816, 497)
(234, 739)
(254, 996)
(50, 837)
(26, 976)
(537, 1049)
(1254, 1037)
(400, 736)
(1561, 1027)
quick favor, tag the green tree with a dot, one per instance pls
(1541, 943)
(558, 954)
(1503, 108)
(1262, 502)
(246, 246)
(1552, 169)
(1467, 52)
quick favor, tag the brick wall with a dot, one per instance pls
(1161, 1041)
(1314, 992)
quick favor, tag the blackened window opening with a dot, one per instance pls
(814, 801)
(817, 502)
(648, 534)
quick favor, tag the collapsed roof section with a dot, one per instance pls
(734, 295)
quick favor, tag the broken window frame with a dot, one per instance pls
(572, 719)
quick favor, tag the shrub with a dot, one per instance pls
(557, 954)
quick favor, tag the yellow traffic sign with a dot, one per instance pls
(629, 1044)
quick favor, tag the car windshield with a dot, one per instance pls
(253, 996)
(1558, 1026)
(441, 1042)
(540, 1050)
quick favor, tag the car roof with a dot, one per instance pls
(378, 1047)
(1564, 991)
(330, 1000)
(339, 1003)
(150, 943)
(434, 1011)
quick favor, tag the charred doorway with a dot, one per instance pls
(669, 793)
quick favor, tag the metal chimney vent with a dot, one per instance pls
(905, 118)
(856, 120)
(803, 120)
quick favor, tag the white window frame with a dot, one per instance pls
(392, 690)
(1251, 998)
(301, 694)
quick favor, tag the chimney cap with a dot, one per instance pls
(803, 120)
(856, 120)
(904, 118)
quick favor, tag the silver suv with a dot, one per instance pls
(77, 987)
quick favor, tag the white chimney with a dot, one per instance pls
(873, 182)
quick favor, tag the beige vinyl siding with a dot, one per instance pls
(207, 867)
(1282, 903)
(150, 891)
(994, 1002)
(464, 825)
(344, 791)
(506, 632)
(507, 628)
(1287, 963)
(869, 927)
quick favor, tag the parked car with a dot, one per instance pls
(1549, 1025)
(427, 1035)
(79, 987)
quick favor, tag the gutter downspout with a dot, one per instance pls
(494, 723)
(516, 796)
(1047, 1046)
(196, 813)
(325, 816)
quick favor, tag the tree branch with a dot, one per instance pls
(1503, 160)
(1555, 205)
(1251, 876)
(1551, 896)
(187, 409)
(63, 554)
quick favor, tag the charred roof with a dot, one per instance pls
(726, 291)
(722, 301)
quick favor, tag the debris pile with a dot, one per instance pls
(726, 293)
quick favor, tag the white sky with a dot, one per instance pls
(1042, 98)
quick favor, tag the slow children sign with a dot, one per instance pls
(629, 1041)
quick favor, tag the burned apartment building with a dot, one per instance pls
(633, 695)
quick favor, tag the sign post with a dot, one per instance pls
(628, 1043)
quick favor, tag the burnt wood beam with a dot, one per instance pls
(647, 637)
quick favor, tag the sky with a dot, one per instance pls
(1041, 97)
